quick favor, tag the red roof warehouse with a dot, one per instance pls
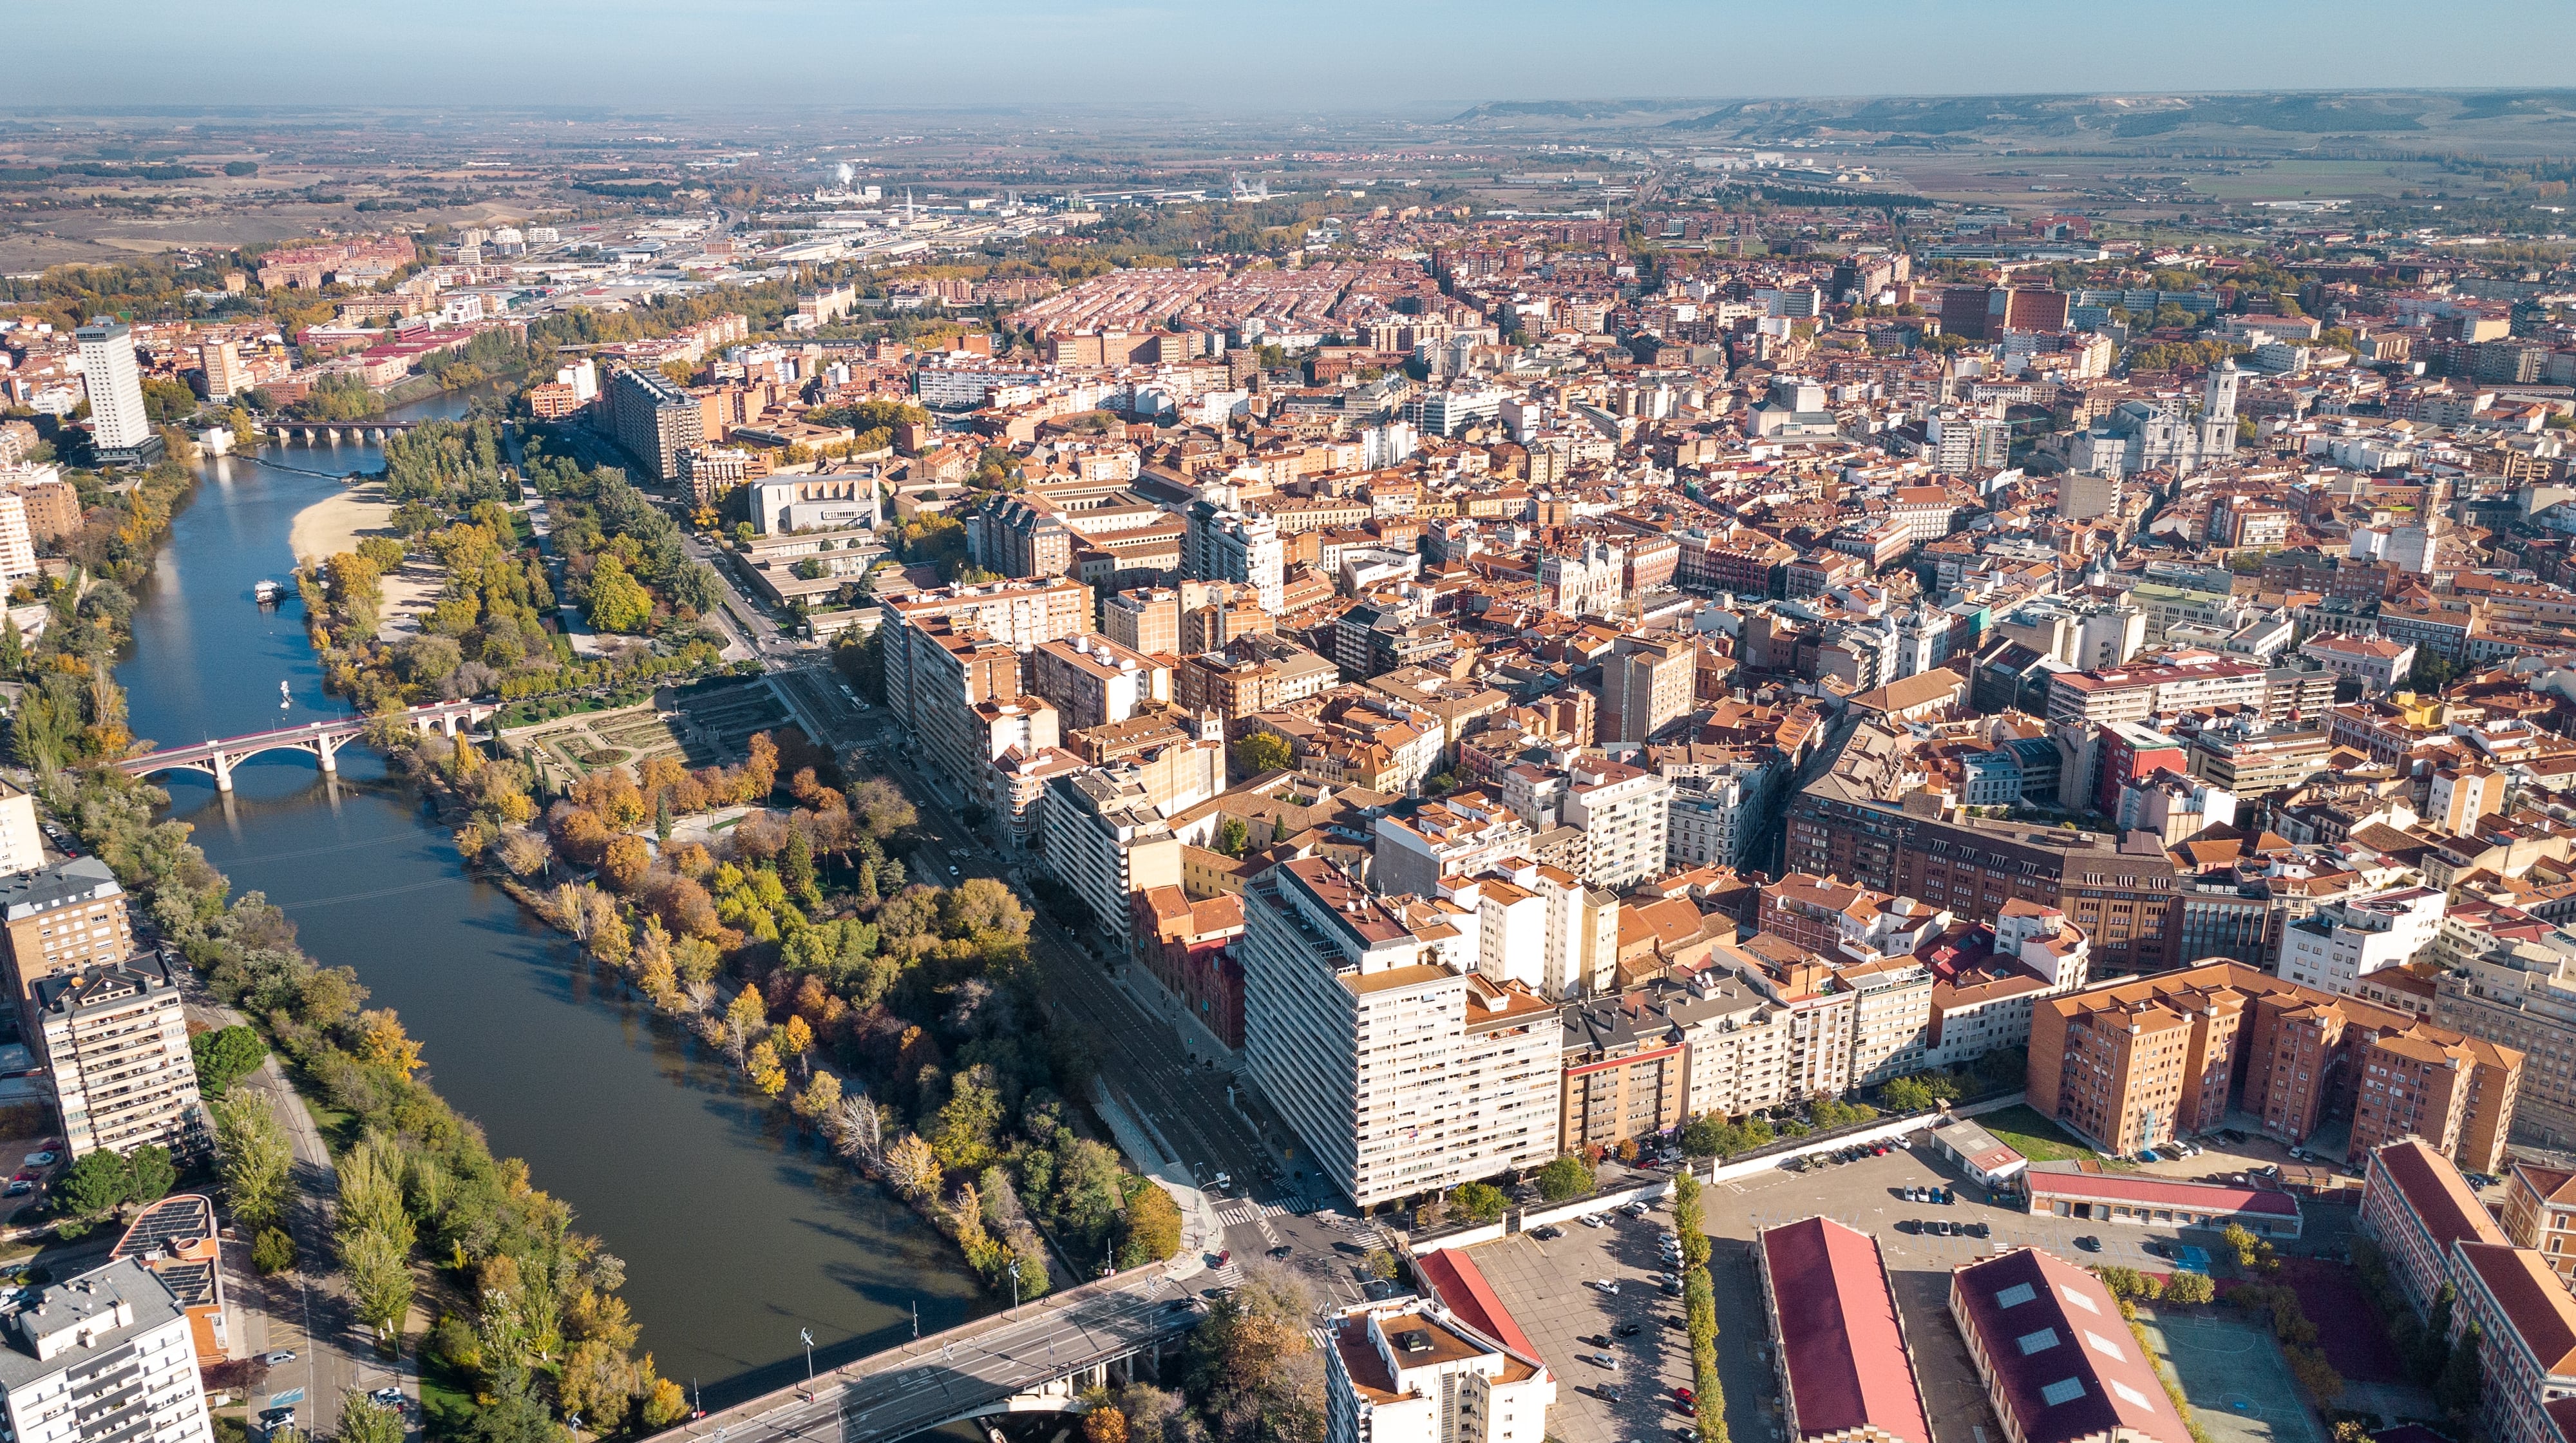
(2161, 1202)
(1844, 1369)
(2060, 1364)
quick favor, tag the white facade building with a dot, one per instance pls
(116, 418)
(1399, 1066)
(1625, 816)
(103, 1358)
(1415, 1373)
(2342, 942)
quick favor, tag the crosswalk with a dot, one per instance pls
(1242, 1212)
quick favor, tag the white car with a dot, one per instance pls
(1589, 1220)
(1607, 1285)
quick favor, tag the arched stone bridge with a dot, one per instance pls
(318, 433)
(321, 740)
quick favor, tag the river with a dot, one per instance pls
(737, 1231)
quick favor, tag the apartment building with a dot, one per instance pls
(118, 424)
(62, 918)
(2334, 947)
(1626, 1072)
(950, 648)
(22, 842)
(652, 420)
(1717, 818)
(1645, 683)
(1105, 839)
(1891, 1017)
(1230, 546)
(1094, 681)
(1419, 1373)
(1853, 824)
(1146, 620)
(1624, 814)
(101, 1358)
(117, 1042)
(1400, 1068)
(1982, 1003)
(2510, 980)
(1461, 835)
(1820, 1006)
(2135, 1063)
(2540, 1213)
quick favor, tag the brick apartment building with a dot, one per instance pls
(2122, 892)
(2131, 1064)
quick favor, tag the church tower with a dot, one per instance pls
(2218, 415)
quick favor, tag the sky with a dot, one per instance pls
(1392, 56)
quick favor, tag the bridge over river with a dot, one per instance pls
(320, 740)
(1037, 1358)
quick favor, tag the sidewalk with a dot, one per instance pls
(1202, 1235)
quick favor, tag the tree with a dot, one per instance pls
(224, 1056)
(625, 862)
(1564, 1179)
(1254, 1365)
(911, 1166)
(2191, 1290)
(90, 1189)
(1232, 836)
(383, 1043)
(1478, 1202)
(1905, 1094)
(617, 601)
(364, 1420)
(255, 1161)
(1261, 752)
(379, 1273)
(272, 1252)
(766, 1073)
(152, 1174)
(1153, 1228)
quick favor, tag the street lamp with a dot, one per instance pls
(807, 1334)
(1015, 1285)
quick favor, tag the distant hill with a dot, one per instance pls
(2507, 122)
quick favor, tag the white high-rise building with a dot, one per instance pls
(103, 1358)
(116, 418)
(1625, 816)
(17, 542)
(1367, 1026)
(1246, 549)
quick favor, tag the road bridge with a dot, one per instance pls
(1037, 1358)
(286, 431)
(321, 740)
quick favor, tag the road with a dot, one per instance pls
(905, 1390)
(304, 1311)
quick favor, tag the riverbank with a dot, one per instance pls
(338, 523)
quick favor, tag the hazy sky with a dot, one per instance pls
(1335, 54)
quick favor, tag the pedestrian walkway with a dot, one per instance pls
(1241, 1212)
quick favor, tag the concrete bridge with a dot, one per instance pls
(1038, 1358)
(322, 740)
(318, 433)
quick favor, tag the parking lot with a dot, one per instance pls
(1545, 1284)
(1550, 1287)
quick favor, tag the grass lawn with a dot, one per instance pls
(446, 1401)
(2035, 1137)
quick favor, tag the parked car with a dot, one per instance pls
(1941, 1229)
(1629, 1330)
(42, 1159)
(1280, 1251)
(282, 1355)
(2148, 1154)
(275, 1419)
(1547, 1234)
(1975, 1230)
(2089, 1243)
(1685, 1396)
(1607, 1285)
(1595, 1340)
(1607, 1362)
(1634, 1209)
(19, 1188)
(1594, 1220)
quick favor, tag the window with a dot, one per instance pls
(2064, 1390)
(2015, 1296)
(2039, 1342)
